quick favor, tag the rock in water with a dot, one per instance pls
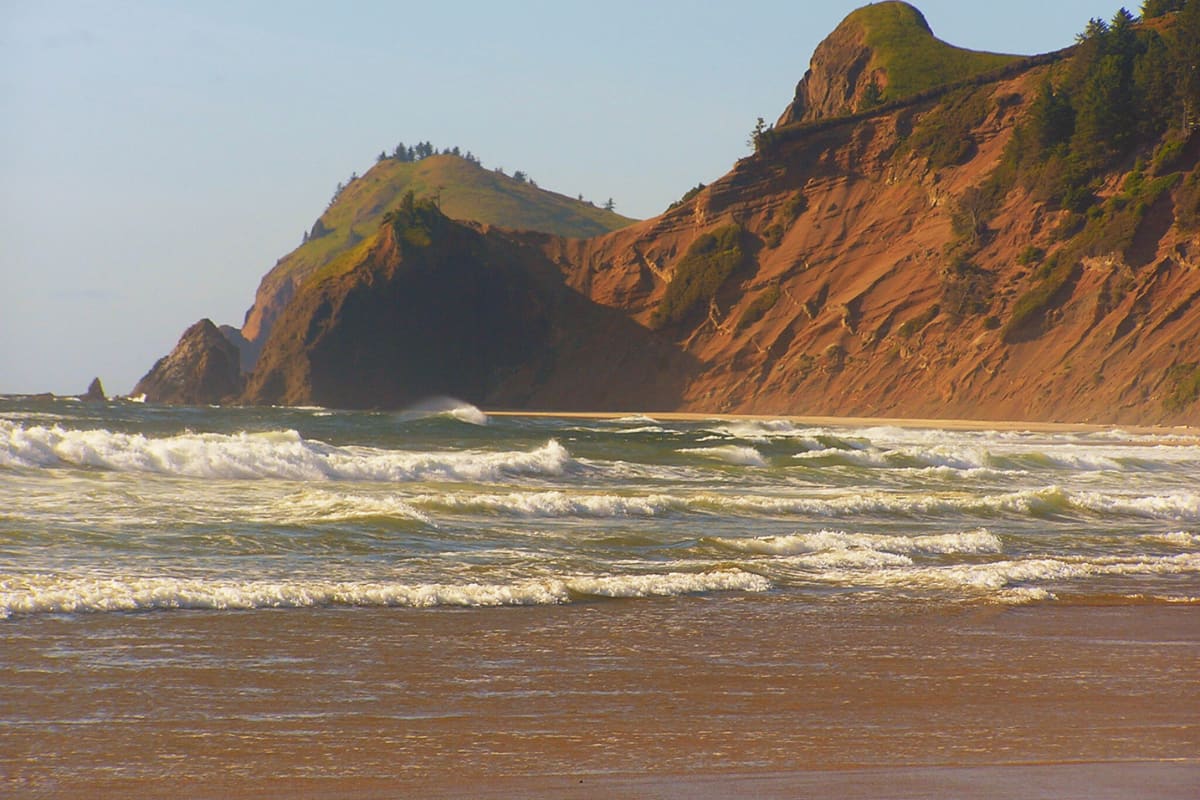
(202, 369)
(95, 392)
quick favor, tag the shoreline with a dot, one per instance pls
(826, 421)
(813, 420)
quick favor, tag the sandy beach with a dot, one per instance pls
(696, 697)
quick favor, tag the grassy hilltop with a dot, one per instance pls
(463, 190)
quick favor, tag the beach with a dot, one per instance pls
(273, 603)
(693, 697)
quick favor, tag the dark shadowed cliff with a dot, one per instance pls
(202, 369)
(431, 306)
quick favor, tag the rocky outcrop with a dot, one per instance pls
(464, 190)
(883, 52)
(247, 350)
(473, 314)
(838, 80)
(202, 369)
(94, 393)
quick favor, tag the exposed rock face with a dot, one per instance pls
(837, 79)
(247, 350)
(94, 393)
(466, 191)
(474, 315)
(203, 368)
(848, 297)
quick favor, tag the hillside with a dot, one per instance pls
(1023, 243)
(882, 52)
(465, 191)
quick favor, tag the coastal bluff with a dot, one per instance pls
(925, 232)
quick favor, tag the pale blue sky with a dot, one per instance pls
(156, 158)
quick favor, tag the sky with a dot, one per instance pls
(158, 158)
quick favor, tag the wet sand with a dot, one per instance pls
(767, 696)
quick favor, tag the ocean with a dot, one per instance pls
(304, 602)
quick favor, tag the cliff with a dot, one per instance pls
(881, 52)
(992, 247)
(201, 369)
(430, 306)
(463, 189)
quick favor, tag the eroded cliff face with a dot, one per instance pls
(851, 303)
(838, 79)
(201, 369)
(857, 281)
(472, 314)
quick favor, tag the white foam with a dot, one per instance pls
(1172, 506)
(276, 454)
(41, 594)
(670, 584)
(733, 454)
(1040, 501)
(1178, 538)
(553, 504)
(1032, 502)
(977, 541)
(447, 407)
(998, 575)
(321, 506)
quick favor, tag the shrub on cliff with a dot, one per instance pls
(415, 221)
(705, 267)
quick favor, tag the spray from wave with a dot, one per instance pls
(448, 408)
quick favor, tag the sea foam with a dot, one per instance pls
(42, 594)
(552, 504)
(977, 541)
(275, 454)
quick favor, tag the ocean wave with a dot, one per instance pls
(1038, 503)
(1000, 457)
(732, 454)
(553, 504)
(636, 419)
(448, 408)
(276, 454)
(1177, 538)
(48, 594)
(320, 506)
(977, 541)
(1007, 574)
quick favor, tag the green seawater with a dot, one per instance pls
(124, 507)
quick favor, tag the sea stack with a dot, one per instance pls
(94, 393)
(202, 369)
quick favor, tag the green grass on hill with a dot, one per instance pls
(465, 191)
(913, 58)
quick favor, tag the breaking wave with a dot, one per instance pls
(276, 454)
(553, 504)
(978, 541)
(449, 408)
(319, 506)
(732, 454)
(44, 594)
(1039, 503)
(1008, 574)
